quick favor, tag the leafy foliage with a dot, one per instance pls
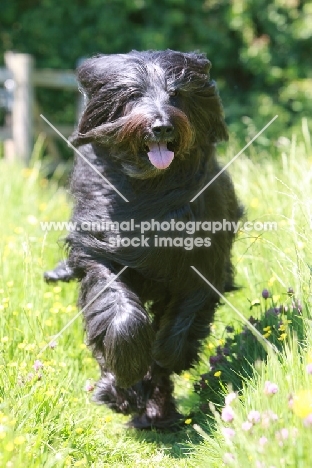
(260, 51)
(236, 360)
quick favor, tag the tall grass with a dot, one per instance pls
(46, 417)
(278, 190)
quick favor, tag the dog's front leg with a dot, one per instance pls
(118, 328)
(183, 326)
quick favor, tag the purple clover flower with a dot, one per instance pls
(268, 417)
(230, 398)
(228, 458)
(270, 388)
(296, 305)
(89, 387)
(262, 441)
(246, 426)
(254, 416)
(215, 360)
(265, 294)
(282, 435)
(273, 311)
(308, 421)
(38, 365)
(228, 432)
(227, 414)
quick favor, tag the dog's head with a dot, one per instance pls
(150, 108)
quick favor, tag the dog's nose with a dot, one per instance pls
(162, 130)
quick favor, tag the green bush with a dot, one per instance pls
(260, 50)
(236, 360)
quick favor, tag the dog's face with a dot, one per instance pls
(150, 108)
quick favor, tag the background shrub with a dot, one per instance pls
(260, 50)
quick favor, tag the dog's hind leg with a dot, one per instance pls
(150, 400)
(183, 326)
(160, 409)
(118, 327)
(122, 400)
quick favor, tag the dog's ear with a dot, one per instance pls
(95, 77)
(209, 100)
(208, 104)
(217, 126)
(200, 62)
(218, 129)
(91, 72)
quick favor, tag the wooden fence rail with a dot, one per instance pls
(20, 78)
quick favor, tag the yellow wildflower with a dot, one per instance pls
(271, 281)
(19, 440)
(302, 403)
(47, 295)
(267, 334)
(9, 447)
(27, 172)
(282, 337)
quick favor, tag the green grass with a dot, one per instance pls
(46, 417)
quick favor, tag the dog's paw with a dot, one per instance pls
(118, 399)
(62, 272)
(173, 422)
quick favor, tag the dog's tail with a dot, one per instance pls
(118, 328)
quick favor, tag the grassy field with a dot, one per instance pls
(46, 416)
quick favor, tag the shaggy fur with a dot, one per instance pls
(136, 102)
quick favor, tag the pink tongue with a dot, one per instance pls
(159, 155)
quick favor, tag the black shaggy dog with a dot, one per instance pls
(150, 127)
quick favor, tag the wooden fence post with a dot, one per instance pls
(21, 67)
(82, 99)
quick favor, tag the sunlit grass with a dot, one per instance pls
(46, 417)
